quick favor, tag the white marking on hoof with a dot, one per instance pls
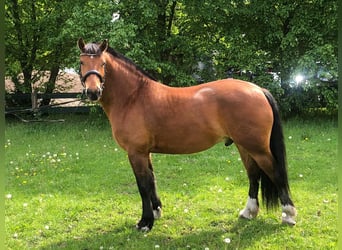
(157, 213)
(143, 229)
(288, 215)
(251, 210)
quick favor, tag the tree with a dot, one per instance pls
(30, 46)
(184, 42)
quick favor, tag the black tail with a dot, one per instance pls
(271, 191)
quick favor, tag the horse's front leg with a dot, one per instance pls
(151, 205)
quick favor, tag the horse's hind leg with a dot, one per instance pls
(252, 207)
(151, 205)
(275, 186)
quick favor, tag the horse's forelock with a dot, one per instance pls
(92, 48)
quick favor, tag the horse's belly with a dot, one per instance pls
(186, 144)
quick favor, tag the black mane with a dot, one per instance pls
(93, 48)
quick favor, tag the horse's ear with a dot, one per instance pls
(104, 45)
(81, 44)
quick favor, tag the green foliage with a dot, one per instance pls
(69, 186)
(171, 38)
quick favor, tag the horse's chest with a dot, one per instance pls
(130, 132)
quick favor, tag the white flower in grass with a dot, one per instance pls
(47, 227)
(227, 240)
(15, 235)
(206, 248)
(186, 210)
(8, 196)
(25, 204)
(156, 246)
(300, 175)
(290, 137)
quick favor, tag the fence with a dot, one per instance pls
(19, 103)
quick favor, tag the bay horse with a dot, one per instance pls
(149, 117)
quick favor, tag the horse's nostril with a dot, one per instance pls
(93, 95)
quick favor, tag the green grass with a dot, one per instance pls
(69, 186)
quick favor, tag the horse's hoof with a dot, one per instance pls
(247, 214)
(251, 210)
(143, 229)
(145, 225)
(157, 213)
(288, 215)
(288, 220)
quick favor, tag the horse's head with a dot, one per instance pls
(92, 68)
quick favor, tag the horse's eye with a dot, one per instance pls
(81, 62)
(103, 64)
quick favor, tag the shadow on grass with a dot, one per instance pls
(238, 234)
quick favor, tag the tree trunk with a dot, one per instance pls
(51, 84)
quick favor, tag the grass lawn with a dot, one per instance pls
(69, 186)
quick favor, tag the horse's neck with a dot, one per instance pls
(123, 85)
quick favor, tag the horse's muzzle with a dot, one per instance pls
(93, 94)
